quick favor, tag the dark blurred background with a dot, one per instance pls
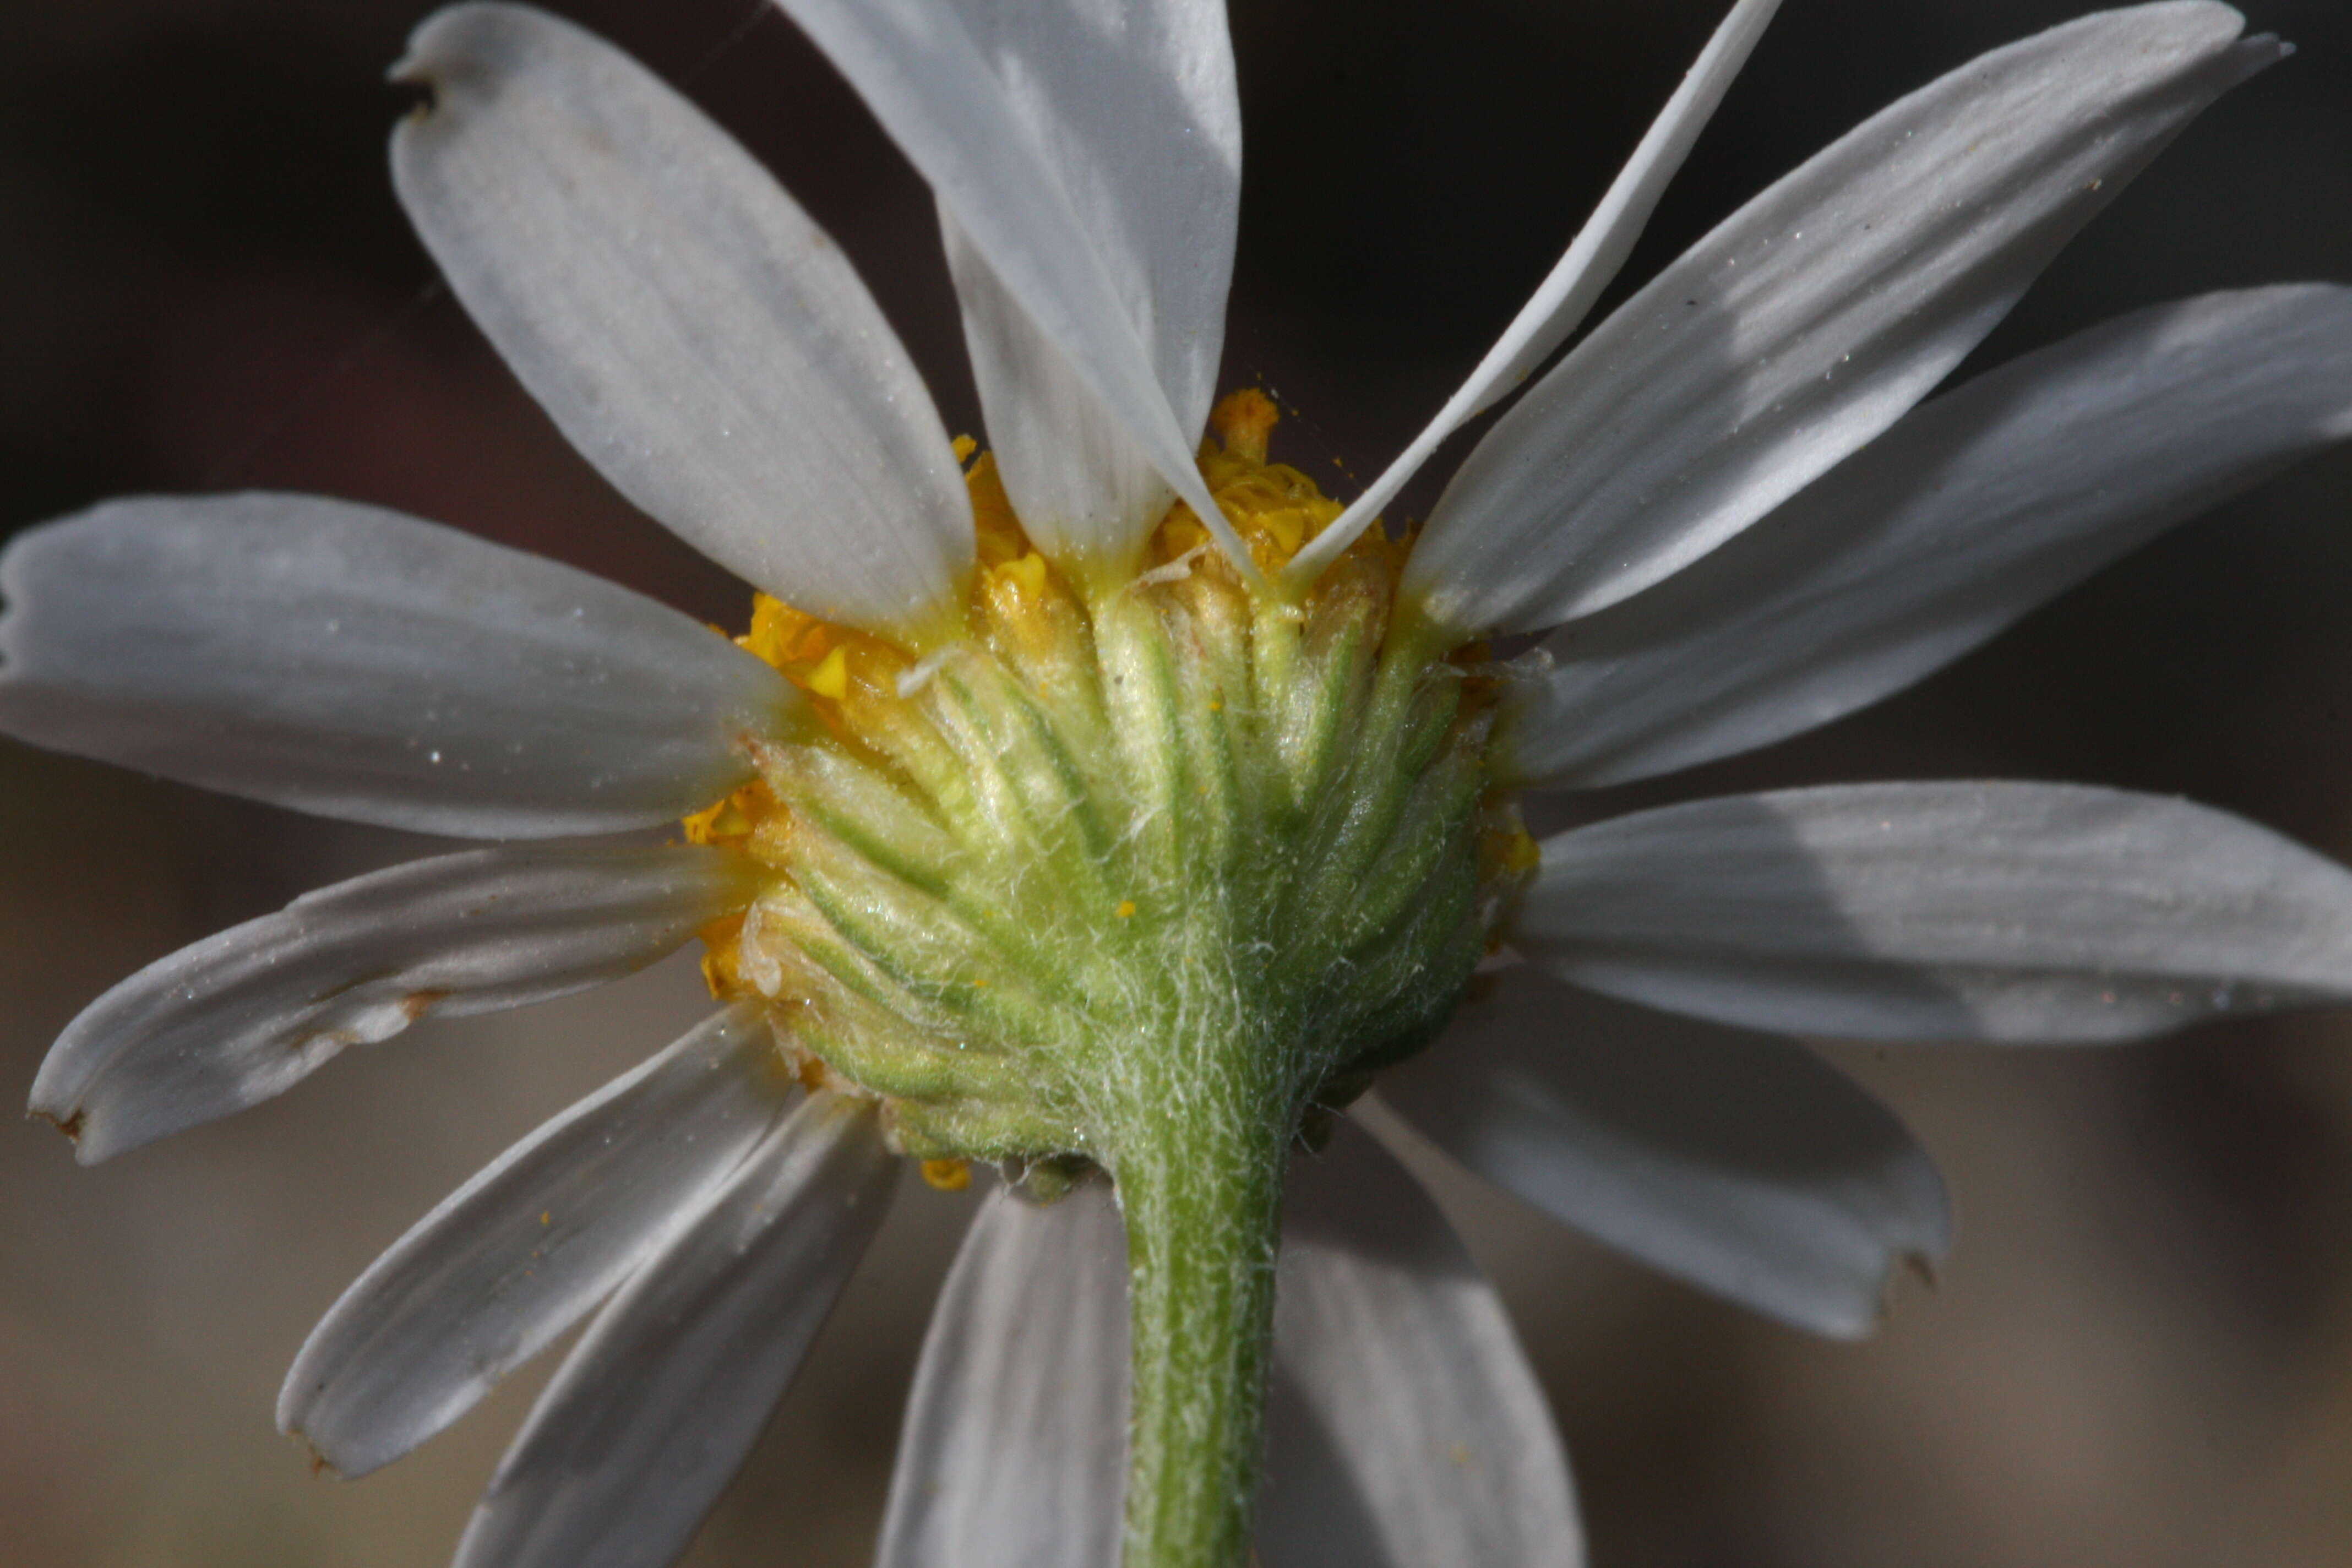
(2140, 1351)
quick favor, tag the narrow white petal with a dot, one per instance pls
(514, 1257)
(655, 1410)
(1813, 318)
(1593, 258)
(685, 323)
(247, 1014)
(1133, 108)
(356, 663)
(1407, 1427)
(1974, 509)
(1992, 911)
(1742, 1164)
(1067, 461)
(1013, 1450)
(977, 92)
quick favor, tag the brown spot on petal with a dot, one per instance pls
(320, 1464)
(71, 1126)
(417, 1004)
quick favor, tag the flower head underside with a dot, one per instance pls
(1111, 810)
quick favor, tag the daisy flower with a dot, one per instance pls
(1112, 808)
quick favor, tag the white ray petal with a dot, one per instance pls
(1407, 1427)
(355, 663)
(1133, 108)
(655, 1410)
(1988, 911)
(1015, 1434)
(252, 1011)
(698, 338)
(963, 86)
(1559, 306)
(1742, 1164)
(1812, 318)
(513, 1257)
(1973, 511)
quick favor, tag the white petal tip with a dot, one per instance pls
(427, 56)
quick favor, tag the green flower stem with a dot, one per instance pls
(1200, 1184)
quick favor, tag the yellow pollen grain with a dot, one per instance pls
(964, 446)
(722, 957)
(1025, 575)
(948, 1176)
(546, 1216)
(1526, 854)
(1126, 909)
(831, 677)
(1242, 421)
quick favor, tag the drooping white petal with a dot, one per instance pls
(1742, 1164)
(684, 322)
(514, 1257)
(355, 663)
(1013, 1449)
(1813, 318)
(1133, 108)
(1066, 142)
(252, 1011)
(1575, 284)
(1992, 911)
(664, 1395)
(1973, 511)
(1407, 1427)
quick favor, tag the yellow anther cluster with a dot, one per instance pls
(1274, 507)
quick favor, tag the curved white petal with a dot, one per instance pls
(1559, 307)
(685, 323)
(1812, 318)
(1971, 511)
(1015, 1437)
(355, 663)
(1992, 911)
(664, 1395)
(1407, 1427)
(252, 1011)
(513, 1257)
(1068, 144)
(1742, 1164)
(1134, 108)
